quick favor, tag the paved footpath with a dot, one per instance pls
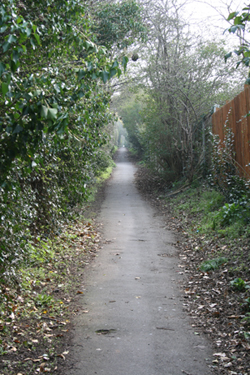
(136, 324)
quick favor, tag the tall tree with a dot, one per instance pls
(183, 77)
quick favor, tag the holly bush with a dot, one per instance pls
(54, 109)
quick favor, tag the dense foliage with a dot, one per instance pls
(53, 111)
(167, 113)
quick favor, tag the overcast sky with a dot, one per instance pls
(208, 15)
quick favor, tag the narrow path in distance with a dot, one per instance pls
(135, 323)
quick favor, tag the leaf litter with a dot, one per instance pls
(37, 310)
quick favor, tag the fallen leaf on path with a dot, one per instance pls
(219, 354)
(61, 355)
(229, 364)
(45, 327)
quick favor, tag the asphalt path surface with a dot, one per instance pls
(135, 323)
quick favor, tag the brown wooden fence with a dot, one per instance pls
(234, 114)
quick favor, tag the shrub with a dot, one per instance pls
(224, 171)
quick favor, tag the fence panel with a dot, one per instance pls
(234, 115)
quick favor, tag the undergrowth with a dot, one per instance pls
(210, 214)
(37, 310)
(37, 306)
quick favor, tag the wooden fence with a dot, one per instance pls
(234, 115)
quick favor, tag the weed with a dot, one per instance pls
(229, 213)
(212, 264)
(246, 336)
(2, 351)
(215, 200)
(246, 304)
(233, 212)
(42, 252)
(43, 300)
(246, 320)
(239, 284)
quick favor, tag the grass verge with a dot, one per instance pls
(214, 255)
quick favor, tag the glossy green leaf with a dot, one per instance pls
(124, 62)
(112, 73)
(81, 74)
(17, 129)
(227, 56)
(119, 72)
(44, 111)
(6, 46)
(37, 39)
(13, 66)
(247, 53)
(232, 15)
(104, 76)
(52, 113)
(2, 29)
(5, 88)
(11, 39)
(15, 56)
(2, 68)
(115, 64)
(238, 20)
(235, 28)
(28, 31)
